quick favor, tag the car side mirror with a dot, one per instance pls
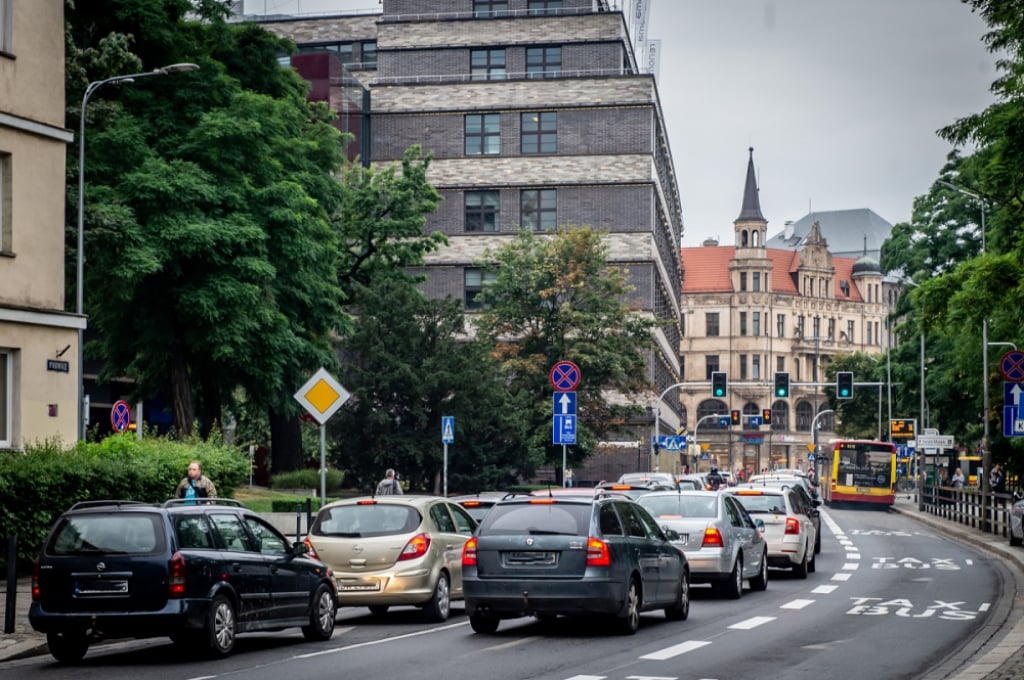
(299, 548)
(759, 523)
(670, 534)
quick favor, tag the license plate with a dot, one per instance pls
(863, 489)
(531, 558)
(358, 587)
(101, 587)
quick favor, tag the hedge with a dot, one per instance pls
(37, 485)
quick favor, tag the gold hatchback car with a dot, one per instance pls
(394, 550)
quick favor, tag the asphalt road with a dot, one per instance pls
(890, 599)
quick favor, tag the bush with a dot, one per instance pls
(288, 505)
(38, 485)
(307, 479)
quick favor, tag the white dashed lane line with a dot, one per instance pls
(676, 650)
(797, 604)
(752, 623)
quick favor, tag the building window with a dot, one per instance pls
(755, 367)
(710, 365)
(539, 132)
(780, 363)
(482, 209)
(870, 341)
(831, 329)
(344, 50)
(756, 321)
(682, 325)
(6, 222)
(490, 8)
(483, 134)
(780, 415)
(487, 65)
(711, 322)
(878, 333)
(743, 367)
(849, 332)
(780, 325)
(743, 281)
(541, 7)
(6, 398)
(539, 209)
(804, 415)
(6, 25)
(817, 326)
(476, 279)
(368, 53)
(800, 326)
(743, 323)
(543, 62)
(757, 281)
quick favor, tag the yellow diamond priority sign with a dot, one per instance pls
(322, 395)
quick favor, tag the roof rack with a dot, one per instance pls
(101, 503)
(203, 501)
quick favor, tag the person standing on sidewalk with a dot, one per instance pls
(389, 486)
(195, 485)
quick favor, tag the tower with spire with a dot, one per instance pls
(751, 266)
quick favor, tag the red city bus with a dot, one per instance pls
(860, 472)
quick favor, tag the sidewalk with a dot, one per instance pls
(23, 641)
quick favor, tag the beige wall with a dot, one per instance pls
(32, 84)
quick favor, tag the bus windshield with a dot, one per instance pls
(864, 464)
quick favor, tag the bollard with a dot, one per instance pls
(12, 584)
(298, 522)
(309, 513)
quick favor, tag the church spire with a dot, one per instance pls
(751, 204)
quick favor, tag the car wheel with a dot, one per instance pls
(1016, 540)
(680, 609)
(220, 626)
(68, 646)
(379, 609)
(440, 604)
(629, 620)
(732, 587)
(812, 564)
(800, 570)
(321, 615)
(817, 544)
(483, 624)
(760, 582)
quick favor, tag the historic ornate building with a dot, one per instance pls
(751, 311)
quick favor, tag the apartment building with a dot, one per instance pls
(39, 375)
(751, 310)
(537, 115)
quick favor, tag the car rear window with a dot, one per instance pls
(684, 506)
(570, 519)
(366, 521)
(763, 503)
(109, 534)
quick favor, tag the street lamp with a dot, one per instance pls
(80, 258)
(986, 457)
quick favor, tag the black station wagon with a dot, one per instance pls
(198, 573)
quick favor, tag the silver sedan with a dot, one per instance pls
(722, 544)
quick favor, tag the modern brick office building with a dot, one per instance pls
(537, 114)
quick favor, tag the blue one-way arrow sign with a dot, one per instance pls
(564, 403)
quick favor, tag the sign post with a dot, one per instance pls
(322, 396)
(565, 377)
(447, 437)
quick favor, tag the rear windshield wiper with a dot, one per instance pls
(547, 532)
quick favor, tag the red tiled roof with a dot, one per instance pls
(706, 270)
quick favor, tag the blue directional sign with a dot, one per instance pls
(564, 429)
(724, 421)
(564, 403)
(1013, 425)
(447, 429)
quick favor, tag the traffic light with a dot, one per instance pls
(766, 416)
(844, 385)
(781, 384)
(719, 384)
(736, 417)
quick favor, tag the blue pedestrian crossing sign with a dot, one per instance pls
(447, 429)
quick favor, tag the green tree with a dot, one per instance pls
(555, 297)
(408, 363)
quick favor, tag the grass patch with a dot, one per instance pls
(260, 499)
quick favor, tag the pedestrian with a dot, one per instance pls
(715, 479)
(195, 485)
(958, 479)
(997, 480)
(570, 478)
(389, 486)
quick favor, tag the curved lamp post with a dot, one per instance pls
(80, 260)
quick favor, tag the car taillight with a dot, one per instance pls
(792, 525)
(176, 576)
(35, 581)
(416, 547)
(469, 553)
(712, 538)
(597, 553)
(312, 550)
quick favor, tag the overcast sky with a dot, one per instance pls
(839, 98)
